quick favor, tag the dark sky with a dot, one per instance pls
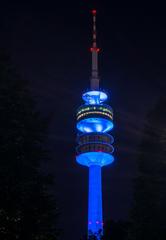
(49, 43)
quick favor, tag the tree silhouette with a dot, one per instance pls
(149, 208)
(116, 230)
(27, 209)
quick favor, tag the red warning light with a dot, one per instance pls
(92, 49)
(94, 11)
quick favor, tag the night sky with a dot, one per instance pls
(49, 44)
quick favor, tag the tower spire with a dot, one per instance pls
(94, 50)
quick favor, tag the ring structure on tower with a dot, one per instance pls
(94, 117)
(94, 121)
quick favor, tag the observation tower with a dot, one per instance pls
(94, 142)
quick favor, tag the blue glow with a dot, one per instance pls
(94, 158)
(95, 221)
(94, 97)
(94, 119)
(89, 125)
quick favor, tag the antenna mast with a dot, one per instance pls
(94, 50)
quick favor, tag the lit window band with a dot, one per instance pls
(95, 108)
(94, 112)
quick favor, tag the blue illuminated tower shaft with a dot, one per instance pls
(95, 221)
(94, 143)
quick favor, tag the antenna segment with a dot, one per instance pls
(94, 50)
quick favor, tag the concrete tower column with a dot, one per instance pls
(95, 221)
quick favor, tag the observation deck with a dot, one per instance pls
(94, 118)
(94, 121)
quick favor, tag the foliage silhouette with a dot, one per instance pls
(149, 208)
(27, 209)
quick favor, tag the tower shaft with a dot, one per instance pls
(95, 221)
